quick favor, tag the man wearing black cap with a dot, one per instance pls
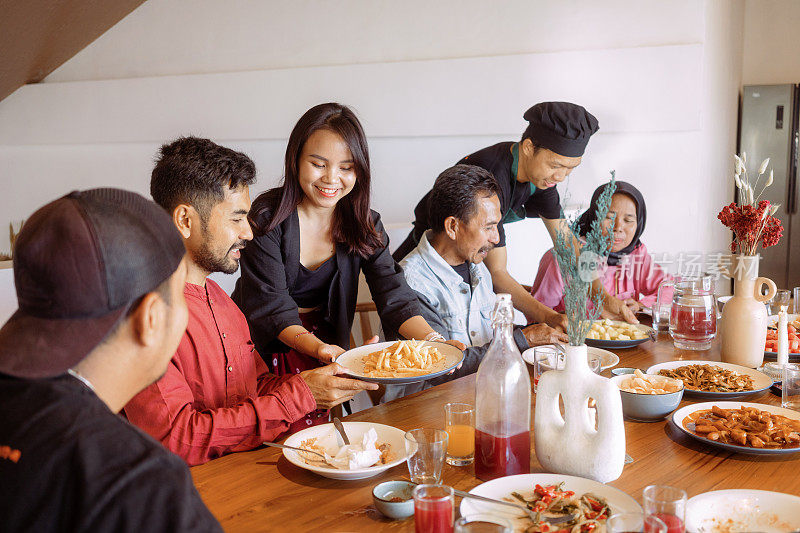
(99, 276)
(527, 173)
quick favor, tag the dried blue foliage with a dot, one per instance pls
(577, 287)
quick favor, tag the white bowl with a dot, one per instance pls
(647, 407)
(743, 510)
(326, 437)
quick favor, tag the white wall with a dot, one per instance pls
(771, 42)
(432, 81)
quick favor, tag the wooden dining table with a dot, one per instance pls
(262, 491)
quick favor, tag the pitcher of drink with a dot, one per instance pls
(693, 314)
(502, 403)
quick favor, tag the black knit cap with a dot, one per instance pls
(79, 263)
(561, 127)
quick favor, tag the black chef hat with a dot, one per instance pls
(562, 127)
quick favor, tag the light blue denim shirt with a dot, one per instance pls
(465, 313)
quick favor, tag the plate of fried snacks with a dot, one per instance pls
(400, 361)
(607, 333)
(373, 448)
(712, 379)
(723, 511)
(551, 495)
(752, 428)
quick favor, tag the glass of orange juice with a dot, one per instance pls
(459, 423)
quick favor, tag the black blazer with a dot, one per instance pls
(270, 264)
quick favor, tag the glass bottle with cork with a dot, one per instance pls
(502, 402)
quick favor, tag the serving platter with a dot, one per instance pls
(352, 360)
(503, 487)
(326, 437)
(743, 510)
(680, 415)
(761, 381)
(618, 345)
(607, 359)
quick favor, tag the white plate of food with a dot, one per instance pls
(723, 511)
(399, 362)
(607, 359)
(389, 441)
(616, 334)
(729, 420)
(714, 379)
(524, 485)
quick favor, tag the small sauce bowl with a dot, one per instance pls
(384, 493)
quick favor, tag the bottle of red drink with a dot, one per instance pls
(502, 403)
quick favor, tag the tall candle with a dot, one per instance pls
(783, 337)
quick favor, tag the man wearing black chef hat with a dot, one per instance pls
(527, 173)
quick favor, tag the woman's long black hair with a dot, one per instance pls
(352, 224)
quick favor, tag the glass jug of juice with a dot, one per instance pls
(693, 314)
(502, 403)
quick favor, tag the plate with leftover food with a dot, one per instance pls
(373, 448)
(713, 379)
(723, 511)
(771, 345)
(617, 334)
(552, 495)
(751, 428)
(400, 362)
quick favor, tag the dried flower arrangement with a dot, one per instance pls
(579, 271)
(751, 220)
(12, 238)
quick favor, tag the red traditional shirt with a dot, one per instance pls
(217, 396)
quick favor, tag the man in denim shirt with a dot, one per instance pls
(446, 270)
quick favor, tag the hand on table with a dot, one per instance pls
(633, 305)
(557, 321)
(539, 334)
(616, 309)
(330, 390)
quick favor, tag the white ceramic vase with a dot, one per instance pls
(743, 327)
(583, 442)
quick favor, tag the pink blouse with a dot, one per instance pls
(637, 277)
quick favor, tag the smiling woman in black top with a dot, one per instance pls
(312, 238)
(527, 173)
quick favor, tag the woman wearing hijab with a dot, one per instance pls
(631, 276)
(527, 173)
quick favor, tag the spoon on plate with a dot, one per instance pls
(340, 428)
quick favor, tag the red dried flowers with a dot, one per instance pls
(751, 226)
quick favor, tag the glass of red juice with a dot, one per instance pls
(668, 504)
(635, 523)
(434, 509)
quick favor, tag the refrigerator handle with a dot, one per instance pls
(794, 150)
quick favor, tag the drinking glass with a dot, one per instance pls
(790, 387)
(668, 504)
(635, 522)
(426, 450)
(433, 509)
(796, 297)
(781, 297)
(459, 423)
(483, 523)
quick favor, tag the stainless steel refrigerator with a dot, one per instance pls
(769, 128)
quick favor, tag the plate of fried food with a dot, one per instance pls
(589, 502)
(714, 380)
(373, 448)
(612, 334)
(751, 428)
(400, 362)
